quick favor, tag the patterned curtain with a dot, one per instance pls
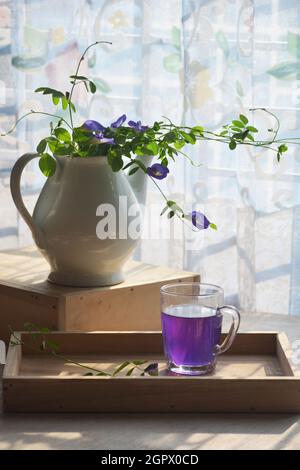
(195, 61)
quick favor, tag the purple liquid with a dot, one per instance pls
(190, 334)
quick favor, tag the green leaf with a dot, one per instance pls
(64, 102)
(41, 147)
(293, 46)
(153, 148)
(55, 100)
(93, 87)
(164, 210)
(156, 126)
(189, 138)
(49, 91)
(198, 129)
(170, 136)
(81, 135)
(171, 203)
(172, 63)
(130, 372)
(44, 329)
(62, 149)
(44, 90)
(278, 156)
(285, 71)
(134, 170)
(52, 143)
(47, 164)
(223, 133)
(250, 137)
(52, 345)
(62, 134)
(213, 226)
(128, 165)
(236, 129)
(88, 374)
(79, 77)
(72, 106)
(283, 148)
(121, 367)
(164, 162)
(241, 135)
(222, 43)
(232, 145)
(251, 129)
(237, 123)
(244, 119)
(115, 160)
(138, 362)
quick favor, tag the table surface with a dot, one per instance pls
(160, 431)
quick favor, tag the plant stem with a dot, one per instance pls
(76, 73)
(34, 112)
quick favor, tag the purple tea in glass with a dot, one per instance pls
(192, 316)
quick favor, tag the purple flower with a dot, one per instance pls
(152, 369)
(93, 126)
(103, 140)
(119, 121)
(199, 220)
(157, 171)
(138, 126)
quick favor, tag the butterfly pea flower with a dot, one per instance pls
(119, 121)
(157, 171)
(102, 139)
(152, 369)
(93, 126)
(199, 220)
(138, 126)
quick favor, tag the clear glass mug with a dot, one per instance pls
(192, 315)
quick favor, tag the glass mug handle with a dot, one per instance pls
(236, 318)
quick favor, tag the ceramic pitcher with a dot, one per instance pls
(67, 217)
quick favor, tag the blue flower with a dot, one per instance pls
(119, 121)
(138, 126)
(152, 369)
(199, 220)
(93, 126)
(157, 171)
(102, 139)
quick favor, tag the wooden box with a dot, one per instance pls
(256, 375)
(26, 296)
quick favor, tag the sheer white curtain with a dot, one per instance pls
(194, 61)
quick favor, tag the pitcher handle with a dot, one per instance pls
(236, 317)
(15, 189)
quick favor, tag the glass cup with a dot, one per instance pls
(192, 315)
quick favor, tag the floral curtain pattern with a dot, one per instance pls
(195, 61)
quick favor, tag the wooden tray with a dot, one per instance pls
(256, 375)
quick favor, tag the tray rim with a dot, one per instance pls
(283, 352)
